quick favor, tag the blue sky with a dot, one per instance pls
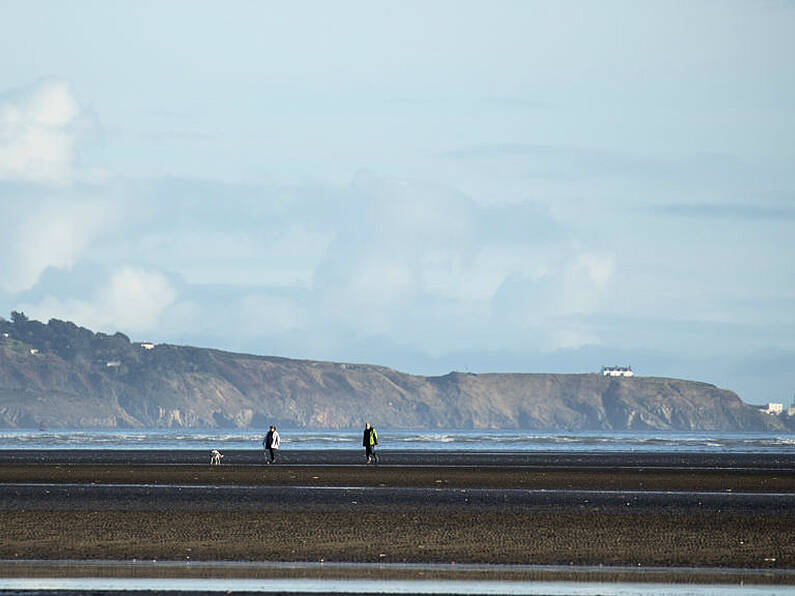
(431, 186)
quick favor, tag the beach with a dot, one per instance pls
(654, 512)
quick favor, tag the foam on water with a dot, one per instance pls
(480, 440)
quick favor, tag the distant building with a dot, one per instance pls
(5, 335)
(772, 408)
(617, 371)
(34, 351)
(147, 346)
(113, 364)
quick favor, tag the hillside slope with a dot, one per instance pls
(81, 379)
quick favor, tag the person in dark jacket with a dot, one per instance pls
(271, 444)
(369, 441)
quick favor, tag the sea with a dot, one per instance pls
(456, 440)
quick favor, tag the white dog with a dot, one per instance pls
(215, 457)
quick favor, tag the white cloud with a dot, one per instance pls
(545, 307)
(132, 300)
(497, 261)
(268, 315)
(569, 336)
(417, 257)
(135, 297)
(37, 134)
(599, 267)
(400, 210)
(45, 233)
(391, 257)
(244, 257)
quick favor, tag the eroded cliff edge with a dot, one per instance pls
(62, 375)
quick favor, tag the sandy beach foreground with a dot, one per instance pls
(730, 517)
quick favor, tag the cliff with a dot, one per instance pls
(81, 379)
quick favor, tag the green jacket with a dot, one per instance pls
(370, 437)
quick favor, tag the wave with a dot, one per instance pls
(403, 439)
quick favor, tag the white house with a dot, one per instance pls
(113, 364)
(147, 346)
(772, 408)
(617, 371)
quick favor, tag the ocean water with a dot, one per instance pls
(480, 440)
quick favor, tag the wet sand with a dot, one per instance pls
(649, 513)
(673, 460)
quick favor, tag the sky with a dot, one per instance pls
(430, 186)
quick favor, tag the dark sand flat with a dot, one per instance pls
(584, 514)
(540, 460)
(465, 477)
(606, 537)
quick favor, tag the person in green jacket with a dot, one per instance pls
(369, 441)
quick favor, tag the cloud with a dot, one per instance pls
(545, 310)
(37, 133)
(599, 267)
(51, 219)
(260, 315)
(131, 299)
(245, 256)
(421, 260)
(296, 267)
(47, 231)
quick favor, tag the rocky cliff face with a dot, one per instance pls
(107, 381)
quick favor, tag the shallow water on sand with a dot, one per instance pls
(359, 586)
(109, 576)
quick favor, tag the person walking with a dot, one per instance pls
(369, 441)
(271, 444)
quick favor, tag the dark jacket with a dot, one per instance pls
(370, 437)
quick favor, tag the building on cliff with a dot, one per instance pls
(617, 371)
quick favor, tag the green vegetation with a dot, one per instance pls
(70, 342)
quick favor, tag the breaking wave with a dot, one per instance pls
(491, 440)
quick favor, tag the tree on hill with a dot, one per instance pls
(18, 319)
(69, 341)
